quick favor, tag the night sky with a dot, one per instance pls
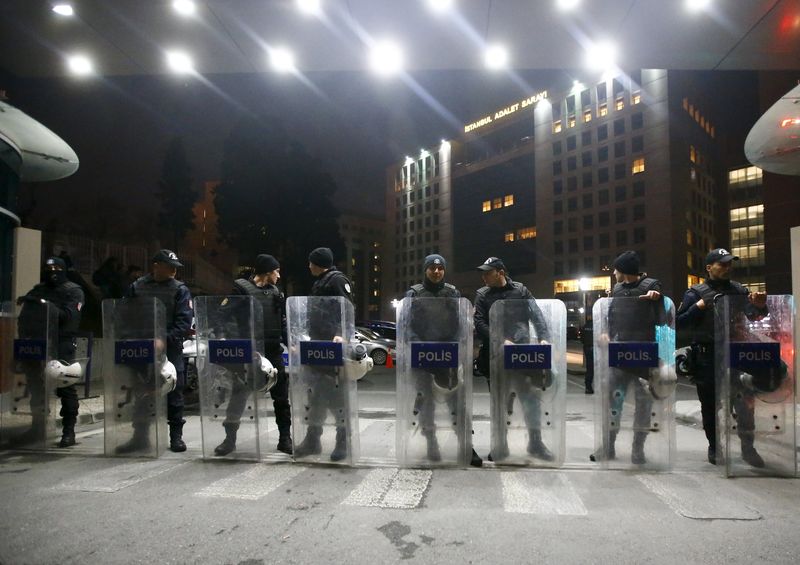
(355, 123)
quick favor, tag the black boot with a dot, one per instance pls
(284, 441)
(311, 444)
(536, 446)
(340, 449)
(67, 433)
(139, 442)
(712, 454)
(608, 452)
(176, 438)
(228, 445)
(434, 455)
(476, 460)
(749, 453)
(637, 449)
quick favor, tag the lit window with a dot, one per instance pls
(619, 104)
(509, 236)
(602, 110)
(508, 200)
(692, 154)
(688, 237)
(692, 280)
(638, 166)
(697, 114)
(487, 205)
(587, 116)
(376, 292)
(712, 131)
(526, 233)
(636, 97)
(689, 259)
(497, 203)
(571, 122)
(573, 285)
(557, 126)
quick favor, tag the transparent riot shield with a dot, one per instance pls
(27, 419)
(233, 375)
(137, 377)
(322, 352)
(635, 378)
(528, 382)
(434, 384)
(755, 386)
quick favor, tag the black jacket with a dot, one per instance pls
(514, 330)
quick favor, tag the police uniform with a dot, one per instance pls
(325, 325)
(433, 322)
(625, 323)
(516, 331)
(273, 306)
(177, 301)
(697, 326)
(68, 299)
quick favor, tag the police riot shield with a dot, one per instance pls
(634, 340)
(27, 419)
(137, 377)
(322, 357)
(755, 386)
(434, 382)
(528, 382)
(234, 374)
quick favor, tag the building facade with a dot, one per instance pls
(363, 262)
(558, 183)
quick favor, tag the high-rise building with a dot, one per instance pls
(561, 181)
(746, 202)
(364, 246)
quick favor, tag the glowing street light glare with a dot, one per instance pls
(80, 65)
(567, 5)
(179, 62)
(64, 10)
(601, 56)
(496, 57)
(184, 7)
(440, 6)
(386, 58)
(697, 5)
(282, 60)
(310, 6)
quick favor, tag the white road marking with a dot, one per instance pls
(540, 493)
(391, 488)
(681, 494)
(121, 476)
(254, 483)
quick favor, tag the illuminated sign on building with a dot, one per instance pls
(507, 111)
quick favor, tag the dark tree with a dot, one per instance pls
(275, 198)
(176, 195)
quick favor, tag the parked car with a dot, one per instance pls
(383, 328)
(379, 348)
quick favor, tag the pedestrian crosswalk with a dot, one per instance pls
(547, 493)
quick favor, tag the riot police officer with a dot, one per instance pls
(68, 299)
(499, 286)
(329, 281)
(423, 328)
(695, 320)
(177, 300)
(625, 324)
(262, 287)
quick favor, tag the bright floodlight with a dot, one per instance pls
(386, 58)
(184, 7)
(601, 56)
(179, 62)
(697, 5)
(496, 57)
(309, 6)
(80, 65)
(567, 4)
(63, 9)
(281, 60)
(440, 5)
